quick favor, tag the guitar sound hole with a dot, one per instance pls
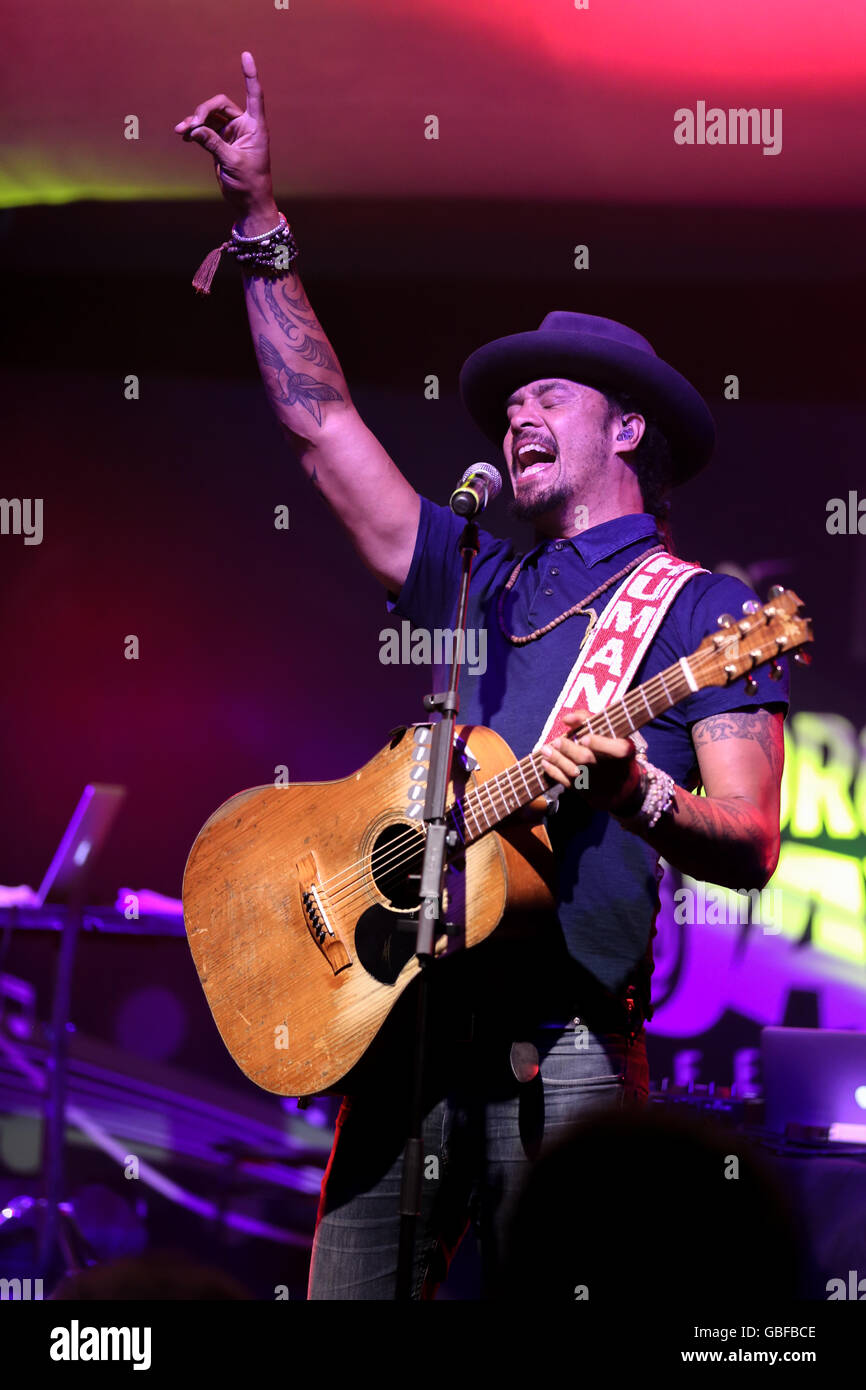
(384, 940)
(395, 864)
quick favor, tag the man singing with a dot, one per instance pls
(531, 1030)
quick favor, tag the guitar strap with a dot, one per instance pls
(612, 651)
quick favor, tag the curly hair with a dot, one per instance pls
(651, 460)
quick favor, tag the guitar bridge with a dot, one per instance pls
(316, 916)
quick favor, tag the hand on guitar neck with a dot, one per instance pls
(615, 780)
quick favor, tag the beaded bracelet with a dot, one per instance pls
(270, 252)
(658, 797)
(657, 788)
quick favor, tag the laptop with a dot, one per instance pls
(815, 1083)
(82, 841)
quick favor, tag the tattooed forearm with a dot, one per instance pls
(311, 349)
(299, 368)
(717, 840)
(252, 293)
(294, 297)
(730, 836)
(291, 388)
(276, 303)
(317, 353)
(758, 725)
(730, 822)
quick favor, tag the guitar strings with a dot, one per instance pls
(398, 853)
(395, 854)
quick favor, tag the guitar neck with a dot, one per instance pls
(485, 806)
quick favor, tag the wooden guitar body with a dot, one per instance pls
(297, 899)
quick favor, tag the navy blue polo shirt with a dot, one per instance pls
(607, 877)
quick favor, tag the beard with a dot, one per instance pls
(543, 499)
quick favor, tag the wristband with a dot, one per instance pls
(657, 792)
(658, 798)
(265, 252)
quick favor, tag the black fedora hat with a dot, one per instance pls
(595, 352)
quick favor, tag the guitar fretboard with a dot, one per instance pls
(483, 807)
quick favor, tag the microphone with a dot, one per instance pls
(479, 485)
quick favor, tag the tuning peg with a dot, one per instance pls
(775, 672)
(803, 658)
(751, 606)
(751, 685)
(725, 620)
(775, 592)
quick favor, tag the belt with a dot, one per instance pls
(485, 1029)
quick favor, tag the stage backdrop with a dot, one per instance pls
(259, 644)
(452, 172)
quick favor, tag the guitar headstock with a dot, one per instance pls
(763, 633)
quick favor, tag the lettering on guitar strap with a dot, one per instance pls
(613, 649)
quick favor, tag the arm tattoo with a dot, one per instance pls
(313, 349)
(296, 306)
(757, 724)
(253, 291)
(721, 840)
(317, 353)
(725, 839)
(727, 821)
(295, 388)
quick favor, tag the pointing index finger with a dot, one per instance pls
(255, 100)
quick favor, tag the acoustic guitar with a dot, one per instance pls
(300, 901)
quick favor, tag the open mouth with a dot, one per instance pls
(531, 459)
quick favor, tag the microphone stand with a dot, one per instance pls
(438, 841)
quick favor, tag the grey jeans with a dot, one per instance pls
(482, 1131)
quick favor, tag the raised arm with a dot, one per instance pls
(302, 375)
